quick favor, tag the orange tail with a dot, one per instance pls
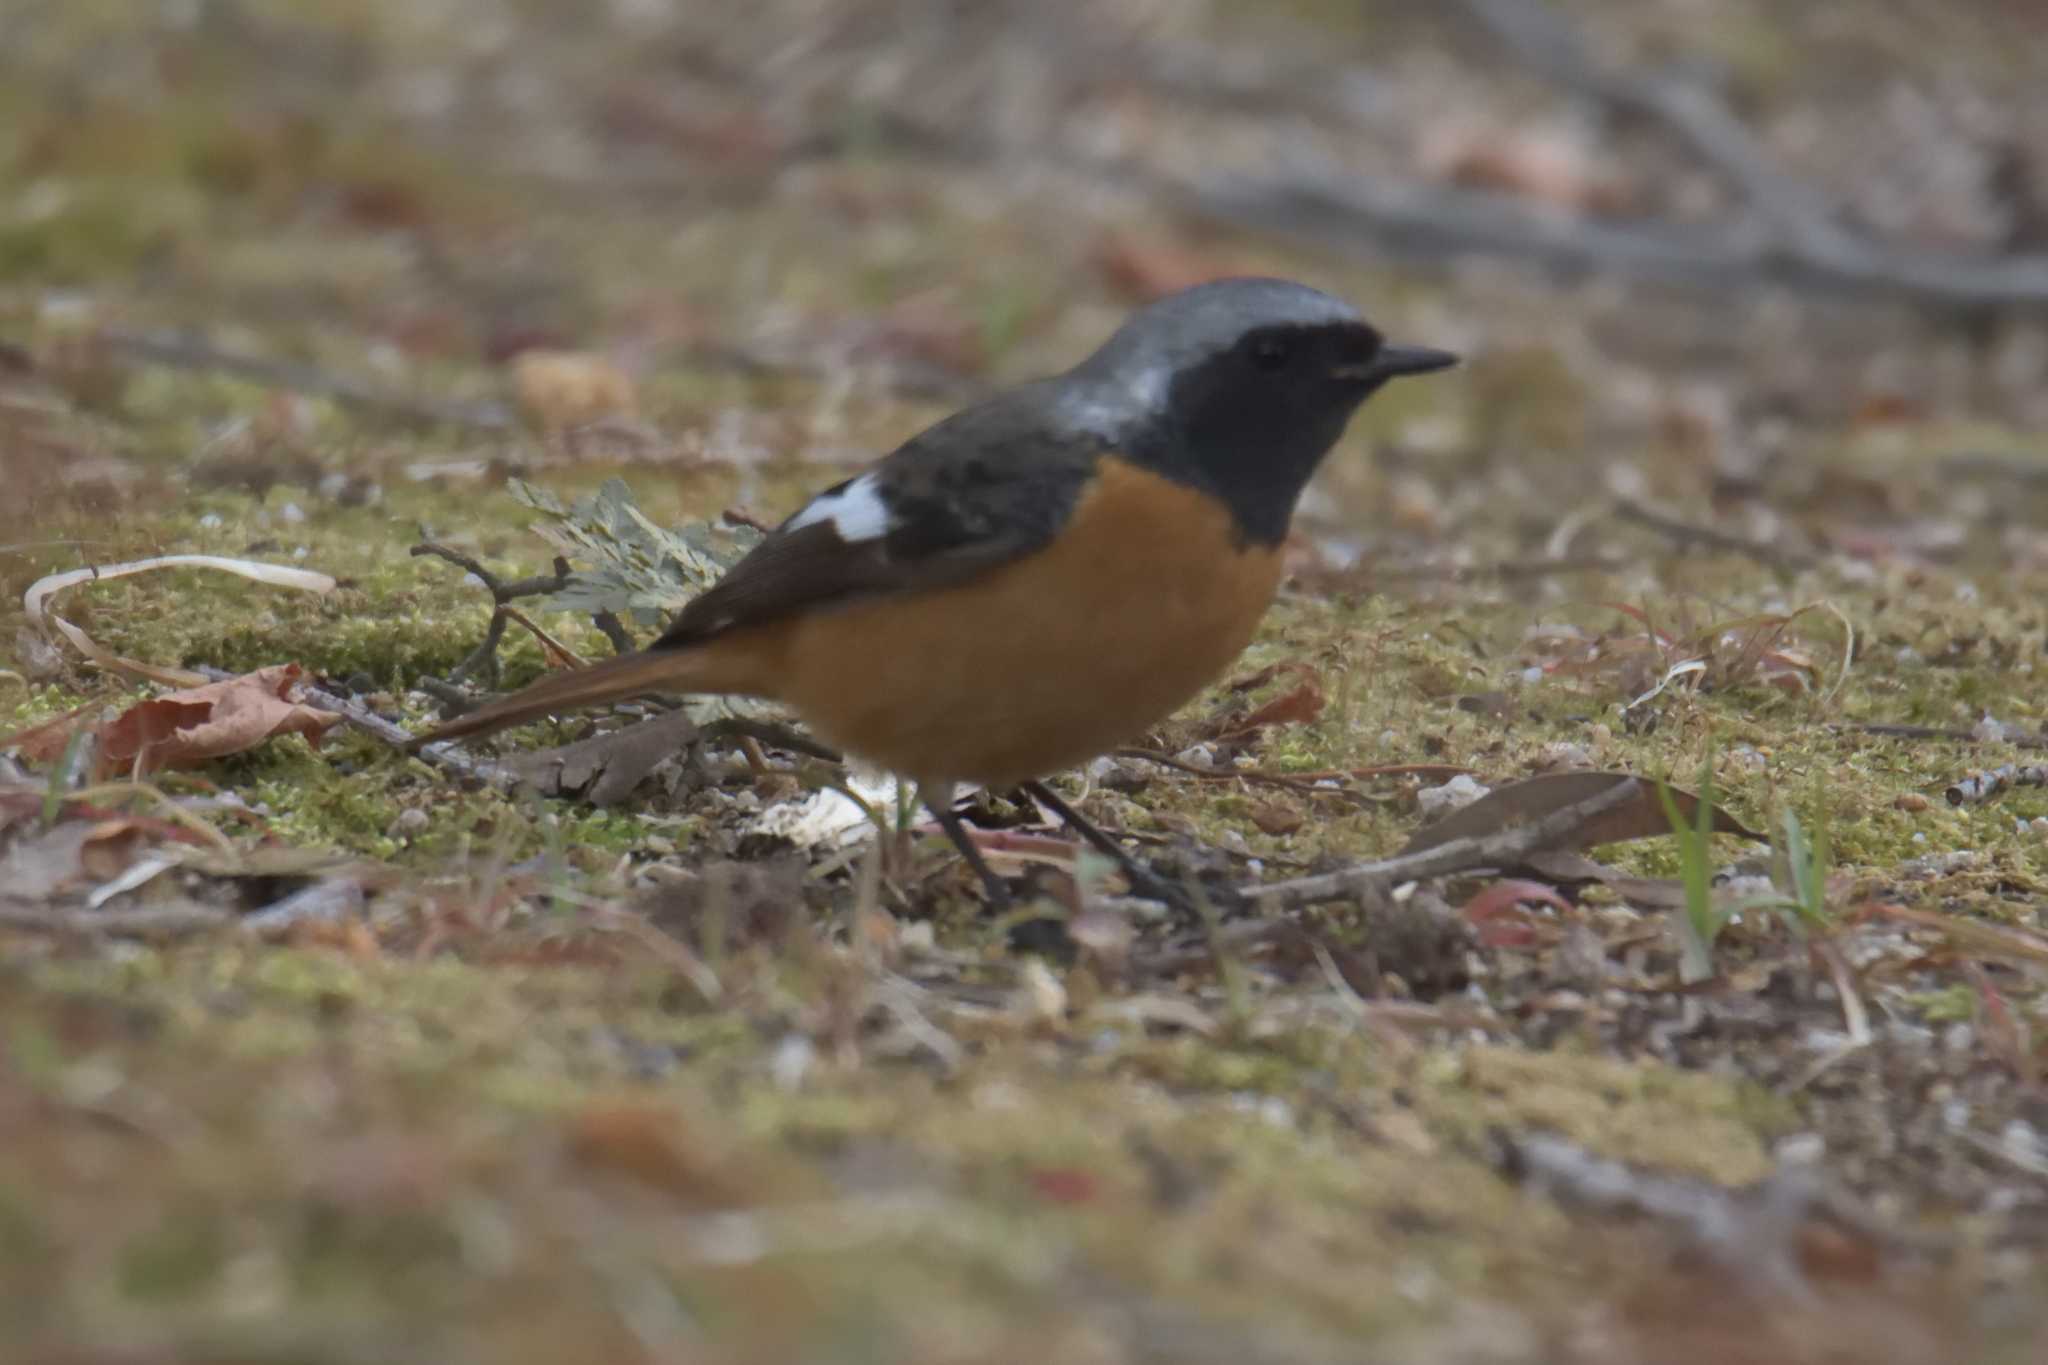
(629, 675)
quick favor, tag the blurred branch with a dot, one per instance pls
(187, 352)
(1345, 208)
(1800, 242)
(1547, 43)
(1787, 236)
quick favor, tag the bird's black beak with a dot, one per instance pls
(1391, 362)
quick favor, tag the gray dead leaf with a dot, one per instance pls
(605, 769)
(41, 866)
(326, 901)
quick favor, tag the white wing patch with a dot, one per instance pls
(856, 512)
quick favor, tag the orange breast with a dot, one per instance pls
(1043, 663)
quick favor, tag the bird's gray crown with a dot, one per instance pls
(1127, 378)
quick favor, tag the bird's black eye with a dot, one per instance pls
(1269, 353)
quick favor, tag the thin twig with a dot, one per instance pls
(1979, 787)
(165, 921)
(1350, 210)
(1497, 849)
(1787, 235)
(772, 733)
(1282, 780)
(1507, 570)
(1686, 533)
(1442, 770)
(485, 655)
(500, 591)
(165, 801)
(358, 714)
(558, 653)
(1888, 731)
(1548, 43)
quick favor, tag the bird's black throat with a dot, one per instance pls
(1252, 430)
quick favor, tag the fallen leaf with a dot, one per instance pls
(111, 845)
(605, 769)
(1277, 817)
(1065, 1185)
(1641, 816)
(46, 864)
(185, 729)
(1297, 706)
(1265, 675)
(1551, 164)
(45, 743)
(558, 390)
(656, 1146)
(1150, 266)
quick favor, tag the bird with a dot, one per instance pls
(1043, 575)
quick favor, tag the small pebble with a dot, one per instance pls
(791, 1061)
(1801, 1149)
(1456, 794)
(2022, 1142)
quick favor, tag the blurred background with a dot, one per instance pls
(1695, 250)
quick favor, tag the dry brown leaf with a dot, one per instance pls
(658, 1147)
(1520, 803)
(184, 729)
(1548, 164)
(1277, 817)
(1151, 266)
(606, 768)
(45, 743)
(558, 390)
(1297, 706)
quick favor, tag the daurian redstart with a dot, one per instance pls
(1044, 575)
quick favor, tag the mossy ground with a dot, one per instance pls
(493, 1123)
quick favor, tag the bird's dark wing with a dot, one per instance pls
(985, 486)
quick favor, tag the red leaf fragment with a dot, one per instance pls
(1498, 915)
(1065, 1185)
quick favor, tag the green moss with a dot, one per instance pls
(177, 1259)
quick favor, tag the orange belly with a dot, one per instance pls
(1038, 665)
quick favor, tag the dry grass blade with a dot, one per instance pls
(35, 602)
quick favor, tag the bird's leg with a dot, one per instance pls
(938, 799)
(1144, 881)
